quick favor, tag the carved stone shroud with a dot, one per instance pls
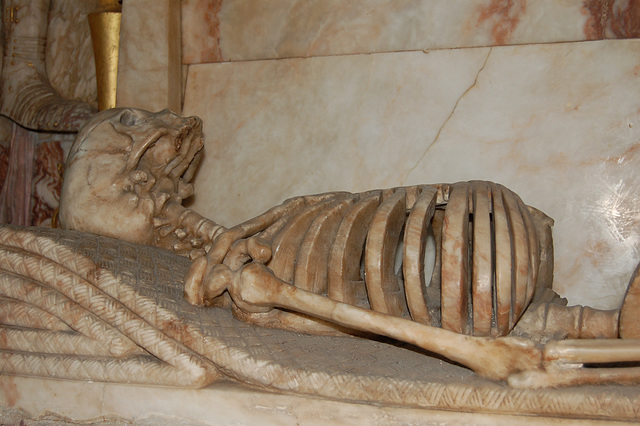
(166, 341)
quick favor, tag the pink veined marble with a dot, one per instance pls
(220, 31)
(47, 182)
(69, 53)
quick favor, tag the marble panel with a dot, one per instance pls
(149, 65)
(557, 123)
(47, 182)
(234, 30)
(69, 52)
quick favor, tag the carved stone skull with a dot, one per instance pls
(126, 177)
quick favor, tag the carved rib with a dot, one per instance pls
(415, 239)
(455, 261)
(312, 262)
(384, 287)
(534, 250)
(520, 256)
(503, 256)
(482, 263)
(346, 252)
(287, 241)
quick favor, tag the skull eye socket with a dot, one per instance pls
(131, 118)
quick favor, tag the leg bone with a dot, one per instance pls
(554, 377)
(254, 288)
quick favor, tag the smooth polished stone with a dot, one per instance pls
(235, 30)
(46, 401)
(557, 123)
(69, 53)
(149, 66)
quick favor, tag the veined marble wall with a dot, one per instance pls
(238, 30)
(306, 97)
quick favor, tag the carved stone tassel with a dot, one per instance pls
(26, 96)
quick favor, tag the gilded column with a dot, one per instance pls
(105, 35)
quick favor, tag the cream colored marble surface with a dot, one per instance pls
(557, 123)
(234, 30)
(149, 64)
(54, 401)
(69, 53)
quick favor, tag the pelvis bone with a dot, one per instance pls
(450, 268)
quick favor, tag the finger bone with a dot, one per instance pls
(160, 200)
(185, 190)
(138, 176)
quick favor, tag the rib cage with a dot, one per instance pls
(348, 246)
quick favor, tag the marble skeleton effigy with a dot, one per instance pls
(460, 270)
